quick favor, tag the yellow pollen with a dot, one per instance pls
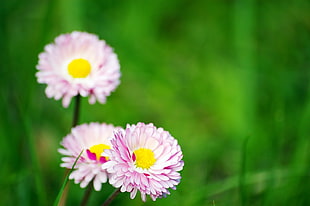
(79, 68)
(144, 158)
(98, 149)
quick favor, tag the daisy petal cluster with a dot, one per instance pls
(146, 159)
(78, 63)
(92, 139)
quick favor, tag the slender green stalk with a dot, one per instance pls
(75, 120)
(87, 194)
(112, 197)
(61, 192)
(76, 113)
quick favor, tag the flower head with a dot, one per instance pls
(78, 64)
(144, 158)
(92, 139)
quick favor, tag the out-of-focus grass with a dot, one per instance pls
(229, 80)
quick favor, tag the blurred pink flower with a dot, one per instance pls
(93, 138)
(78, 63)
(144, 158)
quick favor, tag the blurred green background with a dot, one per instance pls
(228, 79)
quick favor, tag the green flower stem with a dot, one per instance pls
(76, 112)
(112, 197)
(87, 193)
(75, 120)
(62, 192)
(65, 190)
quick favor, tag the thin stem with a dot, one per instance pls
(64, 195)
(87, 194)
(60, 195)
(76, 113)
(112, 197)
(75, 120)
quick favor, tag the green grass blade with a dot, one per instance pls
(65, 182)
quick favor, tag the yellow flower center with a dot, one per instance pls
(98, 149)
(79, 68)
(144, 158)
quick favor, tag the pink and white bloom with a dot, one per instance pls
(92, 139)
(144, 158)
(78, 64)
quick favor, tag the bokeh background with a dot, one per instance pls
(228, 79)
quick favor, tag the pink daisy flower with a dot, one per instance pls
(93, 139)
(78, 63)
(144, 158)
